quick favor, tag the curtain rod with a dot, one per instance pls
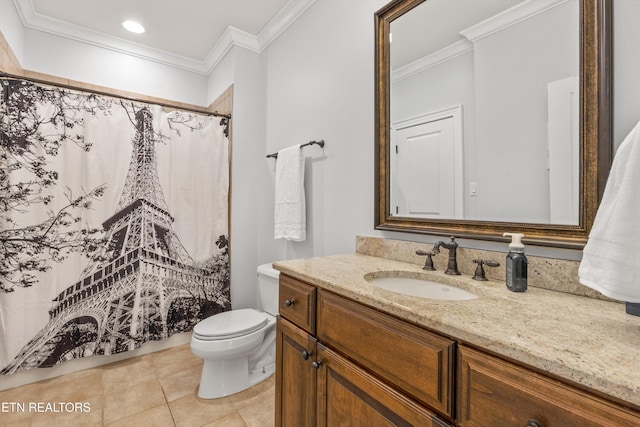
(4, 75)
(320, 143)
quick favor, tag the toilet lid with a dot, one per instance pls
(230, 324)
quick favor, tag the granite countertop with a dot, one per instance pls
(587, 341)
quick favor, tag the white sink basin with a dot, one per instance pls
(421, 288)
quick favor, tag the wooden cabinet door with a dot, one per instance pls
(295, 376)
(493, 392)
(349, 396)
(414, 360)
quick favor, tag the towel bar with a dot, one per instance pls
(320, 143)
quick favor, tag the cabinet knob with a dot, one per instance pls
(316, 364)
(533, 423)
(306, 354)
(289, 302)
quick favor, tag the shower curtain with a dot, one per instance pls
(113, 223)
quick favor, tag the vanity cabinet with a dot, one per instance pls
(493, 392)
(356, 366)
(341, 363)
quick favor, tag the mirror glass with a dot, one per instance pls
(481, 117)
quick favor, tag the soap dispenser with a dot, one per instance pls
(516, 264)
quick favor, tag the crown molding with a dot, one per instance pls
(256, 43)
(512, 16)
(436, 58)
(231, 37)
(282, 20)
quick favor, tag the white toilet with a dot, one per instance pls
(239, 346)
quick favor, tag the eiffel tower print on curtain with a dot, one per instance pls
(145, 286)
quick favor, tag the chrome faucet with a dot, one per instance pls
(452, 265)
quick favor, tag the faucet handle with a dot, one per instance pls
(428, 263)
(479, 273)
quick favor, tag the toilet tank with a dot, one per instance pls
(268, 288)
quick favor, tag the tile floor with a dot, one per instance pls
(157, 389)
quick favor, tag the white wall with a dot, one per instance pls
(87, 63)
(62, 57)
(246, 180)
(12, 28)
(320, 85)
(512, 70)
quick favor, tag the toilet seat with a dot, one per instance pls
(230, 324)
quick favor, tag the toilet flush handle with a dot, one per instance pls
(289, 302)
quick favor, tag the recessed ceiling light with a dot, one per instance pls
(133, 26)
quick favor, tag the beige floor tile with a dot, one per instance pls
(258, 394)
(233, 420)
(135, 392)
(80, 417)
(25, 422)
(26, 393)
(83, 388)
(16, 401)
(258, 415)
(15, 418)
(160, 416)
(92, 373)
(131, 400)
(174, 360)
(181, 383)
(124, 374)
(191, 411)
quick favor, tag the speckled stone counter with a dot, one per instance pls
(587, 341)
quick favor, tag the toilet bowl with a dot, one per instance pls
(238, 346)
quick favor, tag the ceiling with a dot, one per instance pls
(188, 34)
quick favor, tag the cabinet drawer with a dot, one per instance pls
(410, 358)
(492, 392)
(297, 303)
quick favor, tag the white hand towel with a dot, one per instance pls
(611, 259)
(290, 214)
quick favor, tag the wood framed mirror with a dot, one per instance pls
(558, 195)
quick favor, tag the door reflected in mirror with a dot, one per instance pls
(484, 111)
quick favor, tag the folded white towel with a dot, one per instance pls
(611, 259)
(290, 210)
